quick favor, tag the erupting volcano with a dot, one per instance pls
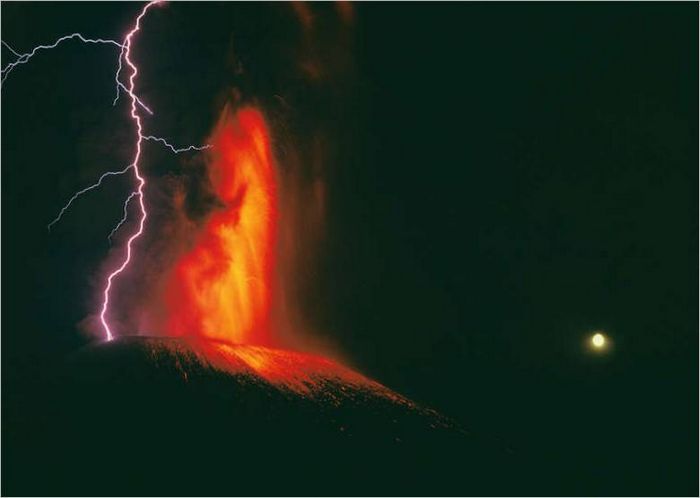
(202, 399)
(218, 294)
(217, 384)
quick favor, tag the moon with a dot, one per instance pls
(598, 340)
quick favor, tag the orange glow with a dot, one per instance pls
(302, 373)
(221, 288)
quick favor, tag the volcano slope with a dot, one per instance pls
(157, 416)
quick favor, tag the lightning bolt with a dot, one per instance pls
(98, 183)
(84, 191)
(136, 104)
(14, 52)
(126, 52)
(173, 148)
(24, 58)
(124, 216)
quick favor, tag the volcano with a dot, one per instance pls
(173, 416)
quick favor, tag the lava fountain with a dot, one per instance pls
(221, 288)
(218, 294)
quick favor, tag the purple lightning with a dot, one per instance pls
(136, 103)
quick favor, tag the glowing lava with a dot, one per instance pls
(305, 374)
(221, 288)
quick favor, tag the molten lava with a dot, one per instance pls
(306, 375)
(221, 288)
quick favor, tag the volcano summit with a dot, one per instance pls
(175, 416)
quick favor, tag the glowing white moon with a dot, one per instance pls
(598, 340)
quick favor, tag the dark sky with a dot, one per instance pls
(502, 180)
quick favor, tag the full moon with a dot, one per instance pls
(598, 340)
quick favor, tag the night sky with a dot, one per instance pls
(501, 181)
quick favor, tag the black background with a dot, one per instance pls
(503, 179)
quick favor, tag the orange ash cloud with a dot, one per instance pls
(221, 288)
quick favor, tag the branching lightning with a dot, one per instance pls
(86, 190)
(125, 58)
(24, 58)
(172, 147)
(98, 183)
(124, 216)
(14, 52)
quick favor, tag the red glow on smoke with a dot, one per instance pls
(221, 288)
